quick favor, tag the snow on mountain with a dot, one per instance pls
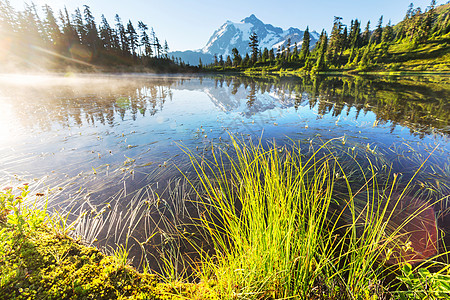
(237, 35)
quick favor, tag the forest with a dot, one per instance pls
(418, 43)
(40, 39)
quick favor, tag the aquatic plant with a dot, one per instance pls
(280, 230)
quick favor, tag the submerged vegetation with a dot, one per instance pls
(280, 222)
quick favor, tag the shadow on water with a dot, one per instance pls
(108, 149)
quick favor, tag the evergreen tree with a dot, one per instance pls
(253, 44)
(145, 40)
(365, 37)
(321, 63)
(69, 33)
(166, 49)
(120, 29)
(388, 33)
(79, 26)
(132, 38)
(376, 36)
(295, 52)
(53, 34)
(265, 55)
(336, 39)
(7, 18)
(228, 63)
(304, 53)
(236, 57)
(246, 60)
(106, 34)
(288, 49)
(92, 39)
(271, 54)
(354, 35)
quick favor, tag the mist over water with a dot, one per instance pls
(91, 140)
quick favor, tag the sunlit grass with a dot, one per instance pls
(279, 231)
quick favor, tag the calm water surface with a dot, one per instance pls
(90, 140)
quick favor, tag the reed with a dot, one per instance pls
(280, 229)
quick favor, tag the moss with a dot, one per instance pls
(46, 266)
(37, 262)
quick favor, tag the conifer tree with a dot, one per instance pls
(376, 36)
(124, 45)
(132, 38)
(388, 33)
(106, 34)
(228, 63)
(69, 34)
(92, 39)
(166, 49)
(320, 63)
(288, 49)
(305, 44)
(79, 26)
(253, 44)
(236, 57)
(145, 40)
(53, 33)
(336, 39)
(365, 37)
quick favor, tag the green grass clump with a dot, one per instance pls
(280, 232)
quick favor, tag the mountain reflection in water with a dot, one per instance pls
(105, 139)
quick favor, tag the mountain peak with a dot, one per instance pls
(237, 35)
(252, 19)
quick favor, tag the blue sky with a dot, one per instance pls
(188, 24)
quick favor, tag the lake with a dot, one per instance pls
(111, 147)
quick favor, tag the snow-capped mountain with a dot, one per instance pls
(237, 35)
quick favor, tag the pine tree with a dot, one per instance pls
(388, 33)
(69, 34)
(106, 34)
(376, 36)
(236, 57)
(132, 38)
(79, 26)
(365, 37)
(304, 53)
(354, 35)
(271, 54)
(288, 49)
(246, 60)
(145, 40)
(166, 49)
(336, 39)
(253, 44)
(92, 39)
(321, 63)
(228, 63)
(53, 33)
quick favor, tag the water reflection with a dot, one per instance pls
(418, 103)
(105, 139)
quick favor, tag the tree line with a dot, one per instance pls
(346, 46)
(42, 38)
